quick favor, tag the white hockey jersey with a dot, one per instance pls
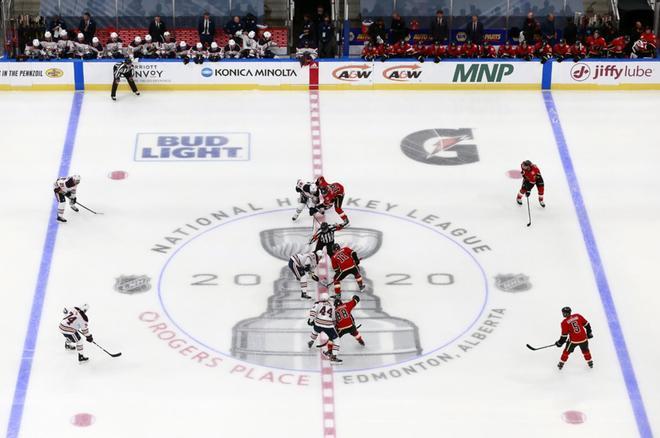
(302, 261)
(323, 314)
(75, 321)
(61, 186)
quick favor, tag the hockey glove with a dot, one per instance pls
(89, 338)
(72, 200)
(310, 322)
(527, 193)
(560, 342)
(315, 277)
(590, 335)
(67, 194)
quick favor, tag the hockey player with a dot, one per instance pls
(198, 53)
(49, 46)
(344, 319)
(524, 51)
(322, 319)
(232, 50)
(400, 49)
(81, 48)
(265, 46)
(419, 51)
(577, 331)
(643, 49)
(544, 51)
(596, 45)
(436, 51)
(74, 324)
(249, 49)
(149, 49)
(531, 177)
(167, 48)
(332, 195)
(344, 262)
(114, 47)
(470, 50)
(123, 69)
(507, 51)
(488, 50)
(65, 47)
(561, 50)
(300, 265)
(618, 46)
(308, 196)
(65, 187)
(306, 53)
(96, 48)
(214, 52)
(453, 51)
(578, 51)
(34, 51)
(325, 237)
(183, 52)
(135, 47)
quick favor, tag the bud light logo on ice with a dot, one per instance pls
(214, 146)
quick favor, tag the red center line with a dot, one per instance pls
(327, 377)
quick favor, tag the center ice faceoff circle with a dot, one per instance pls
(230, 290)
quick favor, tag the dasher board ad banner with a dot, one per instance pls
(445, 74)
(42, 75)
(606, 73)
(207, 75)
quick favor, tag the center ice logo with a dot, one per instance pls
(221, 146)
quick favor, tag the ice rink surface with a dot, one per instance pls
(185, 271)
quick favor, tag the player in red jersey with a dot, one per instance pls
(507, 51)
(577, 331)
(436, 51)
(344, 262)
(470, 50)
(649, 36)
(578, 51)
(617, 47)
(488, 50)
(401, 49)
(544, 51)
(561, 50)
(596, 45)
(345, 322)
(453, 51)
(525, 51)
(531, 177)
(333, 195)
(370, 51)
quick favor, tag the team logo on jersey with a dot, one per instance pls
(442, 147)
(214, 146)
(513, 282)
(130, 284)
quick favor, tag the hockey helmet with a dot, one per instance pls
(35, 43)
(199, 45)
(267, 35)
(182, 44)
(232, 43)
(238, 33)
(525, 165)
(76, 179)
(95, 40)
(81, 36)
(147, 38)
(138, 39)
(63, 33)
(251, 34)
(114, 35)
(336, 247)
(214, 45)
(323, 296)
(48, 35)
(324, 226)
(166, 34)
(566, 311)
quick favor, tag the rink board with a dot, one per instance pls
(186, 271)
(347, 74)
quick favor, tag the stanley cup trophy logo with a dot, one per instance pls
(279, 336)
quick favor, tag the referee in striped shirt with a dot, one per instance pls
(123, 70)
(325, 237)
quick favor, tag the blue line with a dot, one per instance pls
(29, 344)
(599, 271)
(546, 78)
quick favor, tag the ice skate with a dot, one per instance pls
(81, 358)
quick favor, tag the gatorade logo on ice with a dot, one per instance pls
(442, 147)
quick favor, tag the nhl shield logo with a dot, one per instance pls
(442, 147)
(513, 282)
(130, 284)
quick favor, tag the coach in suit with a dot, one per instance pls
(475, 30)
(439, 28)
(206, 29)
(156, 29)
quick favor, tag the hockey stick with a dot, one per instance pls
(109, 354)
(88, 209)
(539, 348)
(529, 213)
(324, 344)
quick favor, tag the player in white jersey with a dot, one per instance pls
(300, 265)
(65, 187)
(322, 318)
(309, 197)
(73, 325)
